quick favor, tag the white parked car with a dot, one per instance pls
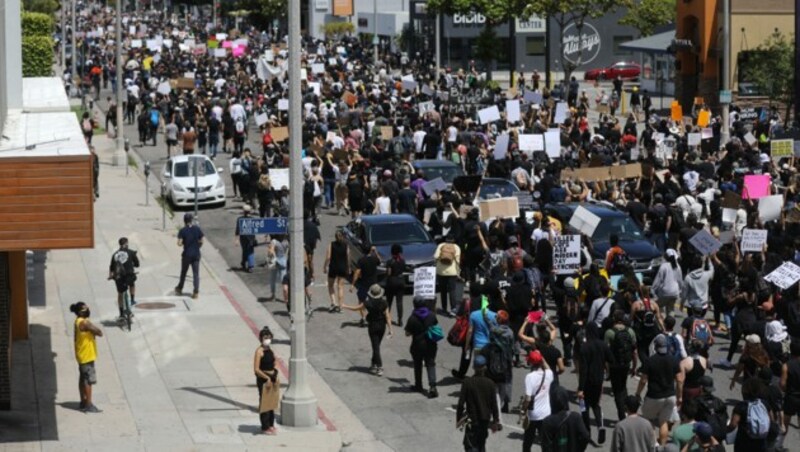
(179, 179)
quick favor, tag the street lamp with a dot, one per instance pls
(119, 152)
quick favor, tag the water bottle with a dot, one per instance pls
(582, 405)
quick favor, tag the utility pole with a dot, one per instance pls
(726, 69)
(547, 51)
(119, 152)
(796, 60)
(74, 57)
(375, 39)
(438, 49)
(63, 38)
(299, 405)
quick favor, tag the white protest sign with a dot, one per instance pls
(261, 119)
(153, 45)
(705, 242)
(706, 133)
(501, 147)
(317, 68)
(769, 208)
(316, 87)
(784, 276)
(409, 85)
(164, 88)
(694, 139)
(750, 138)
(279, 177)
(561, 112)
(489, 114)
(425, 107)
(552, 143)
(728, 215)
(283, 104)
(136, 43)
(427, 90)
(220, 53)
(566, 254)
(512, 111)
(526, 143)
(753, 240)
(584, 221)
(425, 282)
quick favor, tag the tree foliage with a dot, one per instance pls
(496, 12)
(646, 15)
(37, 56)
(771, 68)
(36, 24)
(48, 7)
(337, 29)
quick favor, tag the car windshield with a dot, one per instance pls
(447, 173)
(489, 191)
(624, 227)
(402, 233)
(184, 169)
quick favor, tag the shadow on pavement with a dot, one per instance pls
(250, 428)
(216, 397)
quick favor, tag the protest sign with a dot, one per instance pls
(707, 133)
(489, 114)
(676, 111)
(750, 138)
(525, 200)
(164, 88)
(704, 242)
(552, 143)
(427, 90)
(279, 177)
(769, 208)
(220, 53)
(501, 147)
(584, 221)
(781, 148)
(261, 119)
(726, 237)
(512, 111)
(566, 254)
(703, 118)
(526, 142)
(349, 98)
(317, 68)
(425, 283)
(728, 215)
(433, 186)
(387, 132)
(280, 134)
(784, 276)
(425, 107)
(283, 104)
(753, 240)
(730, 200)
(561, 112)
(499, 208)
(136, 43)
(756, 186)
(694, 139)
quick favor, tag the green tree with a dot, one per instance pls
(36, 24)
(566, 12)
(48, 7)
(771, 68)
(646, 15)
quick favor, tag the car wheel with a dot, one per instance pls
(601, 77)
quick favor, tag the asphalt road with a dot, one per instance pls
(340, 351)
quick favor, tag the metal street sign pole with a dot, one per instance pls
(119, 152)
(196, 194)
(299, 405)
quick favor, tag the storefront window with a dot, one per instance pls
(743, 61)
(534, 46)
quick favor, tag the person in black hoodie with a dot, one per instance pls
(563, 430)
(422, 349)
(595, 356)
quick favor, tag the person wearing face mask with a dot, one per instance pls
(267, 381)
(86, 354)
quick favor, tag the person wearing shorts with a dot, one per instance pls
(86, 354)
(659, 373)
(285, 283)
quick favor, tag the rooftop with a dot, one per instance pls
(43, 95)
(42, 135)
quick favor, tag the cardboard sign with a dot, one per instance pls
(433, 186)
(781, 148)
(769, 208)
(730, 200)
(387, 132)
(425, 283)
(584, 221)
(756, 186)
(753, 240)
(784, 276)
(280, 134)
(349, 98)
(705, 243)
(499, 208)
(566, 254)
(512, 111)
(185, 83)
(489, 114)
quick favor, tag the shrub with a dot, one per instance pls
(37, 56)
(48, 7)
(36, 24)
(337, 29)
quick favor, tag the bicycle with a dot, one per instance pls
(127, 314)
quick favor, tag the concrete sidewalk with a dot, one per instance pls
(183, 378)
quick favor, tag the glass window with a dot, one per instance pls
(744, 62)
(624, 227)
(618, 40)
(534, 46)
(185, 169)
(403, 233)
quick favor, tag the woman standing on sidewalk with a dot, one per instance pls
(379, 319)
(269, 387)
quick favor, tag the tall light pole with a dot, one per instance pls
(299, 406)
(375, 39)
(74, 57)
(438, 47)
(726, 68)
(63, 38)
(119, 152)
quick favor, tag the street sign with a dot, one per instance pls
(725, 96)
(255, 226)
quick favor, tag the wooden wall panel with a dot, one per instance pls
(46, 203)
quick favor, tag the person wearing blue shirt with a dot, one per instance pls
(479, 331)
(190, 238)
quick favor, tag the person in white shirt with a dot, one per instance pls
(238, 112)
(383, 204)
(537, 396)
(418, 139)
(601, 307)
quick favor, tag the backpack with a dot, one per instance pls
(516, 262)
(498, 357)
(457, 336)
(87, 125)
(673, 347)
(717, 419)
(649, 317)
(763, 289)
(434, 333)
(120, 265)
(154, 117)
(701, 331)
(757, 426)
(678, 220)
(618, 263)
(447, 255)
(622, 347)
(239, 126)
(397, 148)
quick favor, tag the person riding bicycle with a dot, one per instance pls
(122, 270)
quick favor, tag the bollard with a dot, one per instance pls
(146, 182)
(163, 207)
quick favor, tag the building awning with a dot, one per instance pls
(658, 44)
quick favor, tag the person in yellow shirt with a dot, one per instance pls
(448, 269)
(86, 354)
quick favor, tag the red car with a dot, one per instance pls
(626, 71)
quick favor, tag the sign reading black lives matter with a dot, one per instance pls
(567, 254)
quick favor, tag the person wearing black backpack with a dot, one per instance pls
(423, 350)
(593, 357)
(621, 339)
(563, 430)
(124, 261)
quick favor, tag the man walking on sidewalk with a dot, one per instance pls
(86, 354)
(190, 238)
